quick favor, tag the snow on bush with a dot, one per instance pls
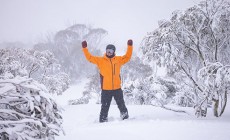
(27, 111)
(27, 80)
(41, 66)
(151, 90)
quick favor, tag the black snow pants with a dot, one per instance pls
(106, 98)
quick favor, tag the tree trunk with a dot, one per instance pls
(215, 107)
(224, 102)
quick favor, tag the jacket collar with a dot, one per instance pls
(108, 57)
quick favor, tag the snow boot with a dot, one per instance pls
(124, 115)
(103, 119)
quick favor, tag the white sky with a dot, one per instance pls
(30, 20)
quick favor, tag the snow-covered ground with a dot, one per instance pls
(145, 123)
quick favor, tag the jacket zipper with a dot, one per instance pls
(112, 73)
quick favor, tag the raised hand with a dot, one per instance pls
(130, 42)
(84, 44)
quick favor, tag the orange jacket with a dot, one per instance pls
(109, 68)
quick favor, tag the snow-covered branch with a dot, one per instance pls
(27, 111)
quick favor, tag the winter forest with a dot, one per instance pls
(192, 47)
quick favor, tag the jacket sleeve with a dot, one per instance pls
(125, 58)
(89, 57)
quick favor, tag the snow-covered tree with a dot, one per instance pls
(216, 78)
(190, 45)
(135, 69)
(66, 46)
(41, 66)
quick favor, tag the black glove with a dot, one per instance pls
(130, 42)
(84, 44)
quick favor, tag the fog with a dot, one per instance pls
(30, 21)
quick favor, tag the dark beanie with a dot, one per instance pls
(110, 46)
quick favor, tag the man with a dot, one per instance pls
(109, 66)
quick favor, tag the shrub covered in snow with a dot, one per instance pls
(41, 66)
(151, 90)
(27, 80)
(27, 111)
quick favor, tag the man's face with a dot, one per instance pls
(109, 52)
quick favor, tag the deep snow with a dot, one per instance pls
(146, 123)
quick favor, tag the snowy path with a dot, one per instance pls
(150, 123)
